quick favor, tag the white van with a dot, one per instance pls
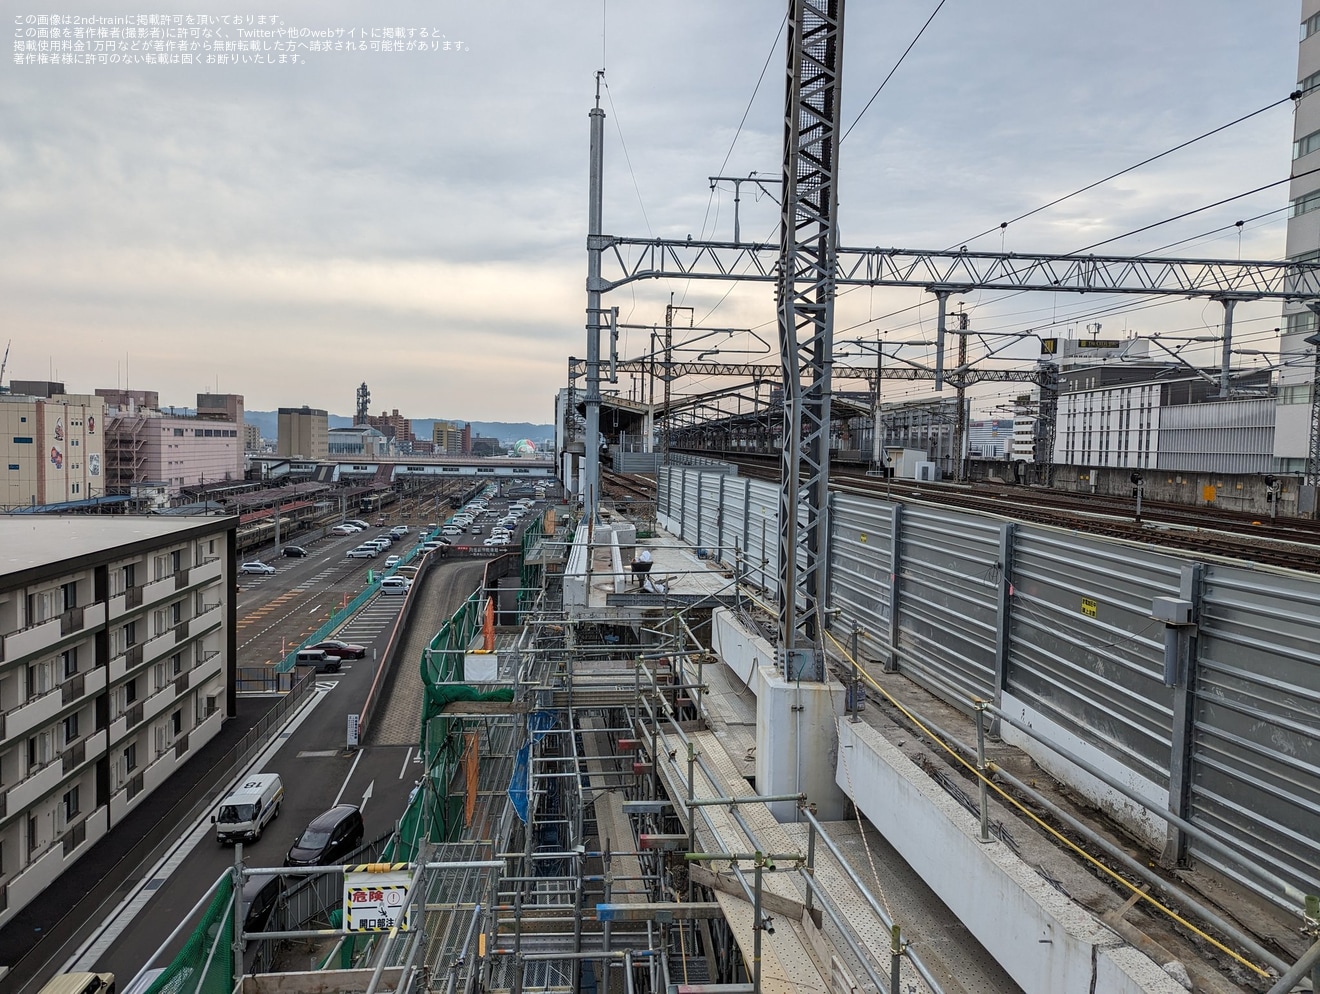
(80, 983)
(395, 585)
(248, 808)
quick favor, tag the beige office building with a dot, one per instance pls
(303, 433)
(53, 449)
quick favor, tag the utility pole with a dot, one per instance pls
(595, 247)
(960, 423)
(877, 430)
(669, 378)
(737, 182)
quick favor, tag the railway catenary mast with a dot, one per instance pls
(805, 290)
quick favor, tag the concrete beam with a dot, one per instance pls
(1043, 939)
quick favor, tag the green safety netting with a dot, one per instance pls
(207, 954)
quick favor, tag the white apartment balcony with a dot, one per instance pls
(31, 640)
(26, 792)
(36, 712)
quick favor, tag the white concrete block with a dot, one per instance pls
(1047, 943)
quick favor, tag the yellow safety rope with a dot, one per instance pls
(1048, 828)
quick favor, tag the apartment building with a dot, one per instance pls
(393, 426)
(116, 664)
(1292, 426)
(450, 439)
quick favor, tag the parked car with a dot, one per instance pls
(409, 571)
(295, 551)
(392, 561)
(426, 547)
(451, 530)
(395, 585)
(260, 568)
(496, 540)
(345, 529)
(345, 650)
(324, 662)
(363, 552)
(328, 839)
(398, 531)
(358, 523)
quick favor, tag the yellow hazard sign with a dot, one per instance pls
(374, 902)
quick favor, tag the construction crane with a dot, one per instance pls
(4, 362)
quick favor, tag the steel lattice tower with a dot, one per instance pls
(363, 405)
(806, 283)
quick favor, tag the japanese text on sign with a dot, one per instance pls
(373, 902)
(206, 39)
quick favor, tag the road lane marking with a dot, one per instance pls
(116, 923)
(404, 768)
(344, 785)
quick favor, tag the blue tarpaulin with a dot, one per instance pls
(538, 723)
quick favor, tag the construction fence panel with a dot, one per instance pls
(1083, 648)
(690, 507)
(1255, 780)
(733, 528)
(948, 602)
(1064, 624)
(664, 490)
(710, 512)
(763, 536)
(861, 565)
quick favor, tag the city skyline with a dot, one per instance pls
(418, 220)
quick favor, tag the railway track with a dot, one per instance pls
(617, 485)
(1292, 544)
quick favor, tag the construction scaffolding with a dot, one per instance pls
(603, 839)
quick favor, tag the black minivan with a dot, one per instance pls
(261, 894)
(328, 839)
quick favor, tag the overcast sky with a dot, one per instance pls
(417, 220)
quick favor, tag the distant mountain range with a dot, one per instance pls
(507, 432)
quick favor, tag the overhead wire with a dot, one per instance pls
(743, 120)
(1197, 210)
(1144, 162)
(890, 75)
